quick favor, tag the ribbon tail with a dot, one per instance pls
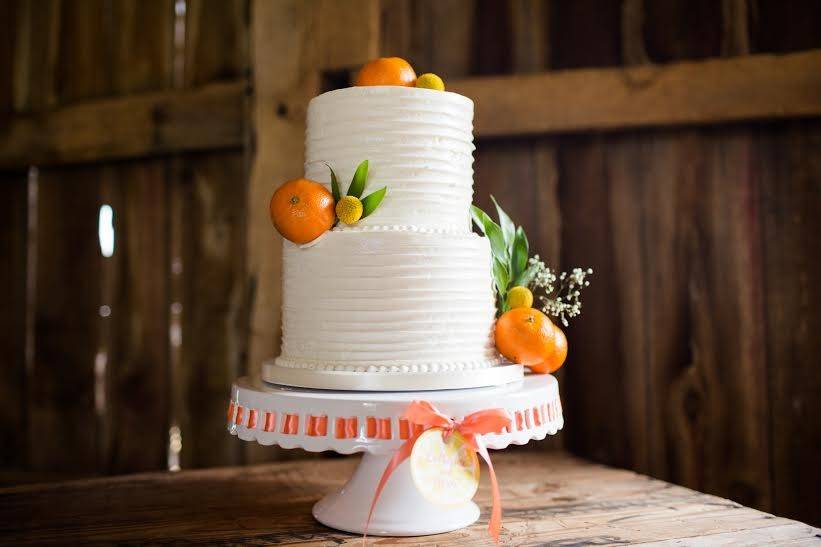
(495, 525)
(401, 455)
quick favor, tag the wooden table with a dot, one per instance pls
(547, 497)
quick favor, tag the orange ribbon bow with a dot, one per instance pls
(472, 427)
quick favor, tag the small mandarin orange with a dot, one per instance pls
(302, 210)
(386, 71)
(556, 359)
(528, 337)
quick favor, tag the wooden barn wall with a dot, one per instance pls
(695, 359)
(120, 349)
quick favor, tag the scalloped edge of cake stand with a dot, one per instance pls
(390, 381)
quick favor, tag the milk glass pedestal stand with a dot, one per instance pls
(370, 422)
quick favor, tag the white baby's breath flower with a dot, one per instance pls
(562, 302)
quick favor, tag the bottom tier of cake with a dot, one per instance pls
(389, 308)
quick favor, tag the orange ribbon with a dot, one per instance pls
(472, 427)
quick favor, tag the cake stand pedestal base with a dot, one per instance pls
(401, 510)
(373, 422)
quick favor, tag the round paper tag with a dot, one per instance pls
(445, 472)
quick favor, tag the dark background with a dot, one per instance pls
(696, 358)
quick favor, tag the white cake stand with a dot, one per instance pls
(370, 422)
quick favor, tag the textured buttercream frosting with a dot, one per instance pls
(418, 142)
(389, 301)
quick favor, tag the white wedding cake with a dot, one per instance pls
(403, 299)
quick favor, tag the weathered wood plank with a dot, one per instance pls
(216, 41)
(36, 43)
(713, 91)
(780, 27)
(8, 35)
(134, 340)
(207, 223)
(62, 417)
(13, 300)
(725, 394)
(584, 33)
(676, 250)
(596, 373)
(143, 125)
(213, 304)
(433, 35)
(788, 169)
(548, 498)
(142, 38)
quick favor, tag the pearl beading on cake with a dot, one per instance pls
(450, 230)
(420, 368)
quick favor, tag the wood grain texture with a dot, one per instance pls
(62, 420)
(433, 35)
(216, 41)
(547, 498)
(136, 335)
(788, 168)
(8, 12)
(143, 125)
(134, 344)
(213, 304)
(209, 299)
(13, 279)
(36, 33)
(142, 38)
(714, 91)
(685, 354)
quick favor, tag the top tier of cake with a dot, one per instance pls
(418, 142)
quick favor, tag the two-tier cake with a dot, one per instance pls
(404, 299)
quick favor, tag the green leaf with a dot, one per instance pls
(508, 228)
(359, 178)
(501, 278)
(497, 241)
(479, 217)
(334, 185)
(525, 277)
(518, 258)
(372, 201)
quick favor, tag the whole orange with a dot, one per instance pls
(387, 71)
(556, 359)
(528, 337)
(302, 210)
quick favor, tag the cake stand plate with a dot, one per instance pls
(398, 380)
(371, 422)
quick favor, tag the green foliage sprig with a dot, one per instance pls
(357, 186)
(510, 250)
(513, 266)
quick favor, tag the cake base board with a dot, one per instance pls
(393, 381)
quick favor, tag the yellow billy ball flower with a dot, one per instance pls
(430, 81)
(349, 210)
(519, 297)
